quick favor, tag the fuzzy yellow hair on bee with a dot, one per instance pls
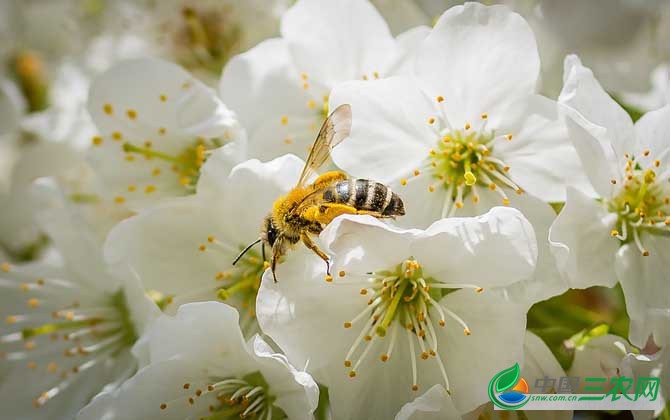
(309, 207)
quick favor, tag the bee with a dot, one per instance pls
(308, 208)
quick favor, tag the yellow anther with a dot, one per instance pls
(403, 182)
(156, 172)
(508, 137)
(431, 120)
(365, 77)
(375, 75)
(657, 163)
(329, 278)
(347, 324)
(505, 201)
(148, 144)
(384, 357)
(415, 387)
(211, 239)
(417, 172)
(646, 152)
(459, 204)
(442, 323)
(266, 264)
(484, 116)
(131, 113)
(117, 136)
(108, 109)
(69, 315)
(220, 276)
(470, 178)
(284, 120)
(304, 76)
(163, 406)
(614, 232)
(492, 186)
(347, 363)
(467, 332)
(29, 345)
(645, 253)
(288, 140)
(431, 188)
(11, 319)
(96, 140)
(424, 355)
(440, 98)
(5, 267)
(364, 291)
(467, 126)
(119, 199)
(130, 158)
(305, 85)
(162, 131)
(52, 367)
(649, 176)
(163, 98)
(432, 152)
(132, 188)
(311, 104)
(32, 365)
(352, 374)
(149, 189)
(475, 199)
(479, 289)
(184, 180)
(202, 248)
(446, 139)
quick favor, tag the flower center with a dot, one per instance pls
(232, 398)
(186, 164)
(206, 38)
(403, 298)
(642, 203)
(463, 161)
(67, 328)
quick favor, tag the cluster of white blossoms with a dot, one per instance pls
(143, 145)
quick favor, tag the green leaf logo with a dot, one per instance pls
(507, 378)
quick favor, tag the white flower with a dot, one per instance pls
(68, 323)
(622, 40)
(468, 132)
(184, 249)
(623, 235)
(200, 367)
(386, 315)
(202, 35)
(280, 88)
(157, 127)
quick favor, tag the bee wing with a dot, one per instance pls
(335, 129)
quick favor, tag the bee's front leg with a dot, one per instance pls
(311, 245)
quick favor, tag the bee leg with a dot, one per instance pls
(263, 252)
(311, 245)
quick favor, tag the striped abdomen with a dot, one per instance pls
(364, 194)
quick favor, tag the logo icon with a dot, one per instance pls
(508, 390)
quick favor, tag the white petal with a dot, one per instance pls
(297, 393)
(452, 250)
(480, 59)
(364, 244)
(188, 108)
(652, 132)
(335, 42)
(471, 361)
(598, 158)
(433, 404)
(645, 282)
(542, 159)
(263, 86)
(142, 395)
(599, 357)
(390, 134)
(206, 333)
(409, 41)
(583, 246)
(582, 92)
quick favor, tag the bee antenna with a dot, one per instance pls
(244, 251)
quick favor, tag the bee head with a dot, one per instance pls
(269, 232)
